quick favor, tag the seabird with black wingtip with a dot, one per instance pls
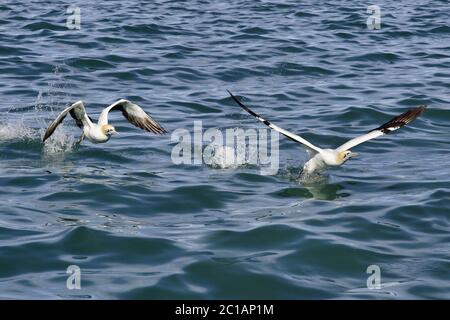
(323, 158)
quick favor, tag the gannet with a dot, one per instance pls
(102, 131)
(323, 158)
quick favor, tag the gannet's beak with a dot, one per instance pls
(353, 154)
(114, 132)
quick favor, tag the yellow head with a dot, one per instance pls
(343, 156)
(108, 130)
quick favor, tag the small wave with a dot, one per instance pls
(153, 29)
(197, 107)
(89, 63)
(387, 57)
(238, 73)
(382, 290)
(440, 29)
(291, 69)
(303, 14)
(36, 26)
(255, 30)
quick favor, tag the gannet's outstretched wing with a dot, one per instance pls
(386, 128)
(286, 133)
(134, 114)
(76, 110)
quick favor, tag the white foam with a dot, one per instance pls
(16, 130)
(33, 124)
(59, 142)
(225, 157)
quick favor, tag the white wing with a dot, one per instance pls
(388, 127)
(134, 114)
(76, 110)
(286, 133)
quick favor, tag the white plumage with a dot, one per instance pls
(322, 158)
(102, 131)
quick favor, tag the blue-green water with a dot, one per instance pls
(139, 226)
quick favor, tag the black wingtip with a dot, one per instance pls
(402, 119)
(243, 106)
(234, 97)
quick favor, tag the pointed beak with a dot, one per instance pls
(354, 154)
(114, 132)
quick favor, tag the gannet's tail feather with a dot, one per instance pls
(392, 125)
(286, 133)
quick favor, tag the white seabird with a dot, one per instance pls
(322, 158)
(102, 131)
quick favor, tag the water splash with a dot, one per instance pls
(16, 130)
(33, 120)
(311, 179)
(60, 142)
(227, 157)
(221, 157)
(296, 174)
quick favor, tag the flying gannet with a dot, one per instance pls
(102, 131)
(322, 158)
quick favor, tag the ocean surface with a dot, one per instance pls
(139, 226)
